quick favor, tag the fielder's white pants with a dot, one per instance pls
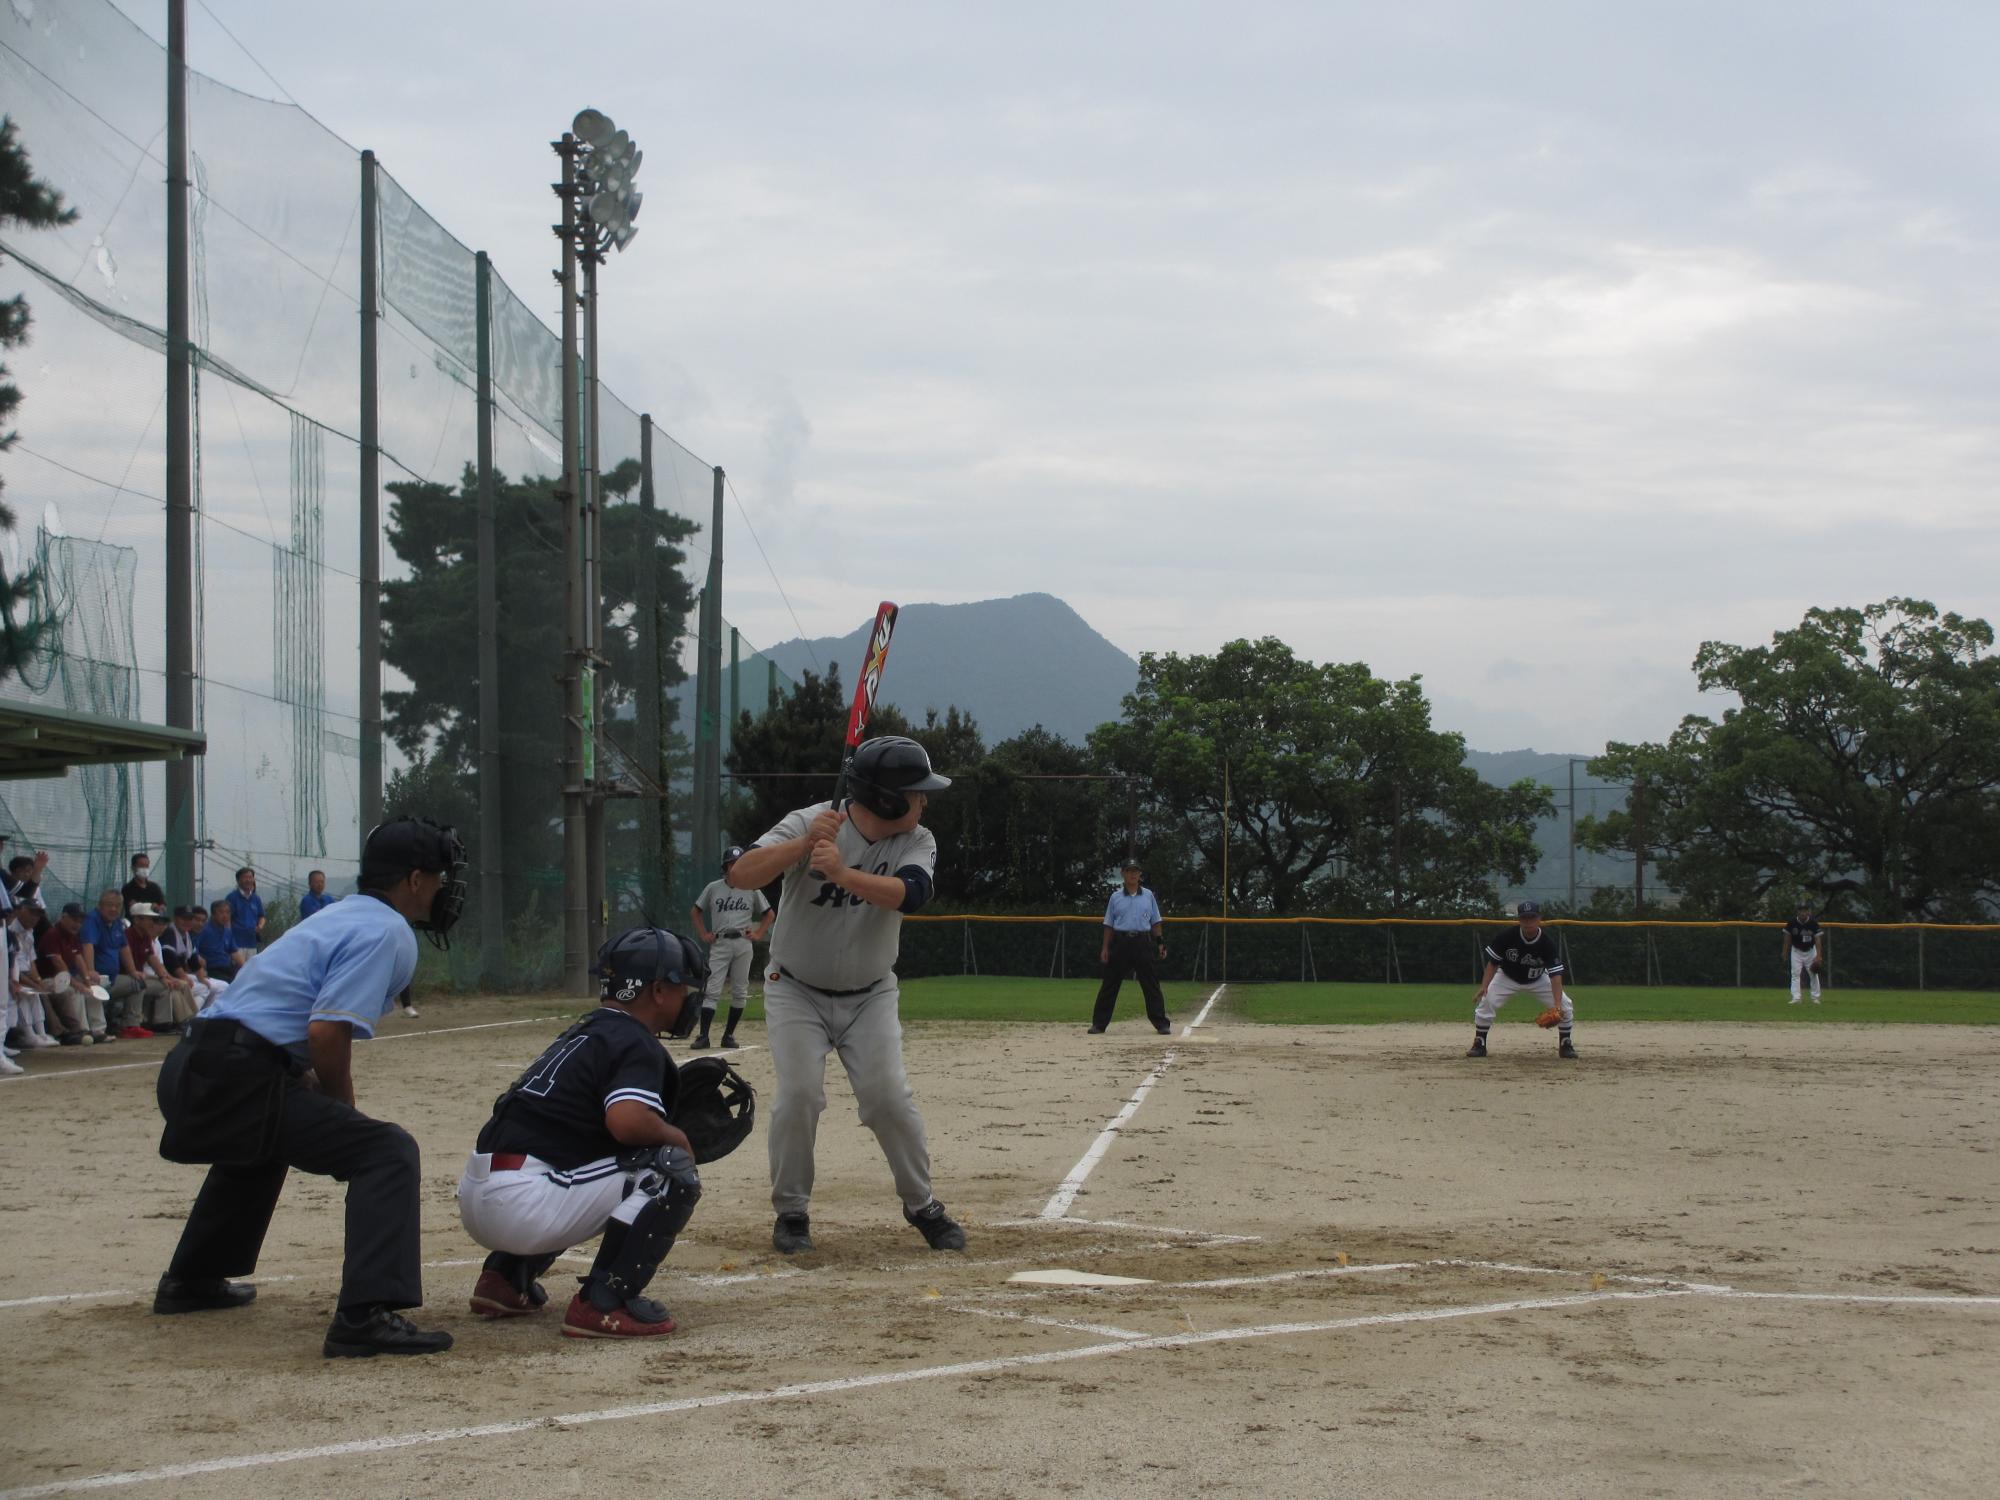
(1802, 965)
(729, 960)
(1503, 989)
(537, 1209)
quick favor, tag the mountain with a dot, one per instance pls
(1550, 878)
(1012, 663)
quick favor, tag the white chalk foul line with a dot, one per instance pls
(1059, 1203)
(390, 1442)
(1102, 1330)
(394, 1036)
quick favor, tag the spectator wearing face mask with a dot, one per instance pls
(142, 887)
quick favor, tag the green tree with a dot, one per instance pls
(1861, 767)
(26, 202)
(430, 635)
(1341, 796)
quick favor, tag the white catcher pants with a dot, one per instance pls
(1503, 989)
(1802, 966)
(728, 961)
(537, 1209)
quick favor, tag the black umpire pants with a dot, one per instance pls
(233, 1099)
(1131, 954)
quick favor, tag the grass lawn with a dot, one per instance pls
(978, 998)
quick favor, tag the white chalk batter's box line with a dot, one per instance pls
(1119, 1341)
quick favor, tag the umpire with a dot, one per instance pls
(263, 1082)
(1133, 937)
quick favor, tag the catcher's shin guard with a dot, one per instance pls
(632, 1251)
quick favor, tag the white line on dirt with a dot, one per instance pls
(1102, 1330)
(392, 1441)
(1938, 1300)
(1059, 1203)
(1071, 1221)
(394, 1036)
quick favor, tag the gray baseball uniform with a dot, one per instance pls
(833, 989)
(729, 914)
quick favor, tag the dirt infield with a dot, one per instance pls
(1700, 1261)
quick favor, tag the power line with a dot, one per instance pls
(249, 54)
(731, 484)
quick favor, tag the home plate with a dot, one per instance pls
(1059, 1276)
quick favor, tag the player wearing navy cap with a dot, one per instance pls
(263, 1082)
(732, 923)
(1525, 957)
(580, 1145)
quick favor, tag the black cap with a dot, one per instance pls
(730, 855)
(1131, 864)
(404, 844)
(73, 909)
(1528, 909)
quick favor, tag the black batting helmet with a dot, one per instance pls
(886, 767)
(641, 956)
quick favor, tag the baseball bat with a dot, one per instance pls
(866, 686)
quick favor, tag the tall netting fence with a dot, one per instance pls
(1333, 950)
(468, 391)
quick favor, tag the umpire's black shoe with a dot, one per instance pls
(700, 1043)
(1478, 1047)
(936, 1226)
(379, 1331)
(792, 1234)
(1568, 1049)
(1164, 1030)
(1095, 1031)
(178, 1294)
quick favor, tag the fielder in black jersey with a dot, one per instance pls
(582, 1144)
(1525, 957)
(1804, 950)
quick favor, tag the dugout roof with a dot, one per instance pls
(38, 741)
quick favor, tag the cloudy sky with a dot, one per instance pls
(1522, 346)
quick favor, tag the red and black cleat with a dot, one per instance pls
(640, 1318)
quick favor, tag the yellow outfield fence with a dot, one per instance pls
(1872, 955)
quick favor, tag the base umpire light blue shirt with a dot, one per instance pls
(1123, 913)
(349, 963)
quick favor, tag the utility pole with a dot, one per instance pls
(1639, 846)
(179, 861)
(1572, 836)
(593, 607)
(371, 503)
(492, 828)
(576, 896)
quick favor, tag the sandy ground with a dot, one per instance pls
(1574, 1244)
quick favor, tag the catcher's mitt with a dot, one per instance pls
(715, 1105)
(1550, 1017)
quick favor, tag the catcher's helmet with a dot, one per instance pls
(886, 767)
(730, 855)
(641, 956)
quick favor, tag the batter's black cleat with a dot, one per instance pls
(1164, 1030)
(201, 1294)
(792, 1234)
(731, 1043)
(1567, 1049)
(1478, 1047)
(700, 1044)
(1095, 1031)
(937, 1227)
(379, 1331)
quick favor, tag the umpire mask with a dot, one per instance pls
(643, 956)
(395, 848)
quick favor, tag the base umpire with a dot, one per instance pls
(263, 1082)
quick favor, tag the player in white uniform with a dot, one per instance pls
(732, 923)
(1803, 949)
(850, 877)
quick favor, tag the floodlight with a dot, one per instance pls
(592, 126)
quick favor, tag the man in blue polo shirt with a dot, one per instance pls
(315, 898)
(1133, 936)
(264, 1082)
(246, 914)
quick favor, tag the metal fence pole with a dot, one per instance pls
(1920, 958)
(576, 872)
(492, 907)
(654, 841)
(181, 833)
(1739, 958)
(370, 644)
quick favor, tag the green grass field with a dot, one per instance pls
(970, 998)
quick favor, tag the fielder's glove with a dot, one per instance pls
(1550, 1017)
(1816, 966)
(715, 1106)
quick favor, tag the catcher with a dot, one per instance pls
(1525, 957)
(602, 1135)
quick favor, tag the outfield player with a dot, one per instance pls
(732, 923)
(851, 875)
(263, 1081)
(580, 1146)
(1805, 948)
(1525, 958)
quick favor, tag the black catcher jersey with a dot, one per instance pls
(555, 1110)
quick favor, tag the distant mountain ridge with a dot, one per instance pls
(1011, 663)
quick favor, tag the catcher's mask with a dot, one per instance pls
(884, 769)
(643, 956)
(395, 848)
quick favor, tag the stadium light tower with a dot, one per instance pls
(599, 204)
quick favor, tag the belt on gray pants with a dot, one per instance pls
(837, 994)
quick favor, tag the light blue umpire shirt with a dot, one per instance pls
(1123, 913)
(349, 963)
